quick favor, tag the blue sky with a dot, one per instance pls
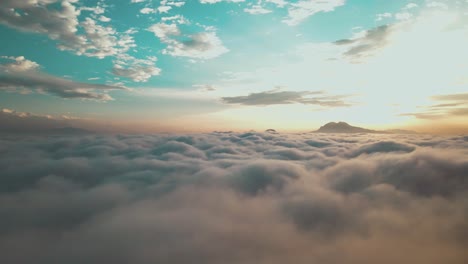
(220, 64)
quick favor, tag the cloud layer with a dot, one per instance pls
(233, 198)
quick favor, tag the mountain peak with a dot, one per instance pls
(342, 127)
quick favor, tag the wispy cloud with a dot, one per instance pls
(301, 10)
(446, 106)
(365, 43)
(276, 97)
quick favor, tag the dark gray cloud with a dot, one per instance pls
(57, 86)
(233, 198)
(62, 21)
(38, 16)
(19, 75)
(276, 97)
(364, 46)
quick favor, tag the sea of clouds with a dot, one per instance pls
(239, 198)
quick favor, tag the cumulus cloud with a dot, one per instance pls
(139, 70)
(17, 74)
(73, 28)
(233, 198)
(36, 16)
(63, 24)
(202, 45)
(18, 64)
(275, 97)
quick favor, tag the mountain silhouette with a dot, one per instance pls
(343, 127)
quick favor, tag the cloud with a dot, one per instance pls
(205, 87)
(298, 11)
(63, 24)
(382, 147)
(462, 97)
(202, 45)
(257, 10)
(301, 10)
(18, 64)
(365, 43)
(139, 70)
(232, 197)
(275, 97)
(279, 3)
(12, 121)
(72, 27)
(446, 106)
(22, 75)
(35, 16)
(148, 10)
(217, 1)
(380, 17)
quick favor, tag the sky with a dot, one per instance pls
(205, 65)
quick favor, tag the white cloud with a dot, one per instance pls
(257, 10)
(403, 16)
(137, 70)
(279, 3)
(148, 10)
(179, 19)
(410, 6)
(19, 64)
(380, 17)
(203, 45)
(300, 11)
(164, 9)
(437, 5)
(217, 1)
(164, 31)
(104, 19)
